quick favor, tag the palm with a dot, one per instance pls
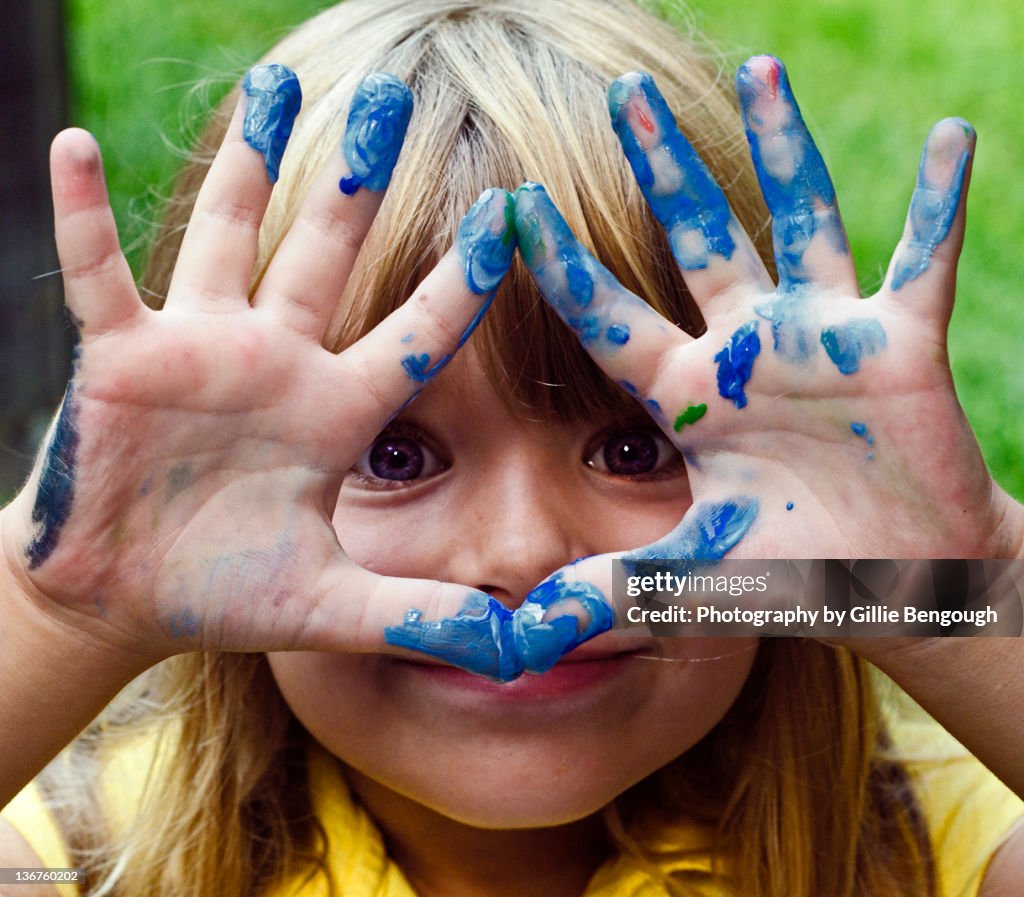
(814, 423)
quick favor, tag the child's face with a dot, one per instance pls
(458, 489)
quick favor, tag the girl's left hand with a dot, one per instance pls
(814, 423)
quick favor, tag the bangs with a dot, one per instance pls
(469, 133)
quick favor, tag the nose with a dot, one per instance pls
(521, 525)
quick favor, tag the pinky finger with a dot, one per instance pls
(927, 254)
(98, 283)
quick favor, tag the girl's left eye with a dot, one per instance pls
(396, 458)
(638, 452)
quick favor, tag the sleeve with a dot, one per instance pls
(28, 814)
(970, 812)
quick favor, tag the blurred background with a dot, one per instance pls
(871, 76)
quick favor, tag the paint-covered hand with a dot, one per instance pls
(814, 423)
(184, 497)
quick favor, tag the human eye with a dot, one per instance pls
(400, 456)
(634, 452)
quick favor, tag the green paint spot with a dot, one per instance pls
(690, 416)
(510, 220)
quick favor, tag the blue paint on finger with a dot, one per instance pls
(736, 363)
(377, 121)
(55, 492)
(274, 100)
(680, 190)
(618, 334)
(708, 532)
(419, 368)
(569, 277)
(486, 240)
(794, 180)
(846, 344)
(933, 205)
(485, 637)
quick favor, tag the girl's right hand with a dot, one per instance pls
(183, 500)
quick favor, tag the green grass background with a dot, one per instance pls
(871, 77)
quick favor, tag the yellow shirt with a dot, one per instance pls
(969, 811)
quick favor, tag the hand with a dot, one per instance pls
(814, 423)
(184, 498)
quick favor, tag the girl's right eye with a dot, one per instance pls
(397, 459)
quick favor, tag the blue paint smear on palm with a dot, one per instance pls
(802, 202)
(274, 101)
(932, 210)
(795, 335)
(693, 203)
(56, 490)
(736, 363)
(377, 121)
(567, 273)
(846, 344)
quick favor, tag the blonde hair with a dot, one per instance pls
(505, 90)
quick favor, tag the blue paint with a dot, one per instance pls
(377, 121)
(932, 210)
(55, 493)
(736, 363)
(680, 190)
(708, 532)
(274, 101)
(618, 334)
(485, 637)
(569, 277)
(419, 368)
(860, 429)
(182, 623)
(407, 338)
(847, 343)
(486, 240)
(789, 506)
(795, 335)
(794, 180)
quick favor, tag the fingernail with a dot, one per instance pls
(486, 240)
(274, 100)
(377, 121)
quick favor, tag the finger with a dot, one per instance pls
(809, 240)
(713, 251)
(623, 334)
(98, 284)
(313, 263)
(215, 263)
(584, 591)
(924, 264)
(412, 345)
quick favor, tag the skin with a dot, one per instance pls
(510, 499)
(216, 471)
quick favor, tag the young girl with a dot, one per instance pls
(179, 538)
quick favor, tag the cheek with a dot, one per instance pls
(397, 541)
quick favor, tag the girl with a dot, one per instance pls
(180, 519)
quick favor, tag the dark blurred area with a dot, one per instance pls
(34, 341)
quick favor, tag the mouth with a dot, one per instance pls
(579, 674)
